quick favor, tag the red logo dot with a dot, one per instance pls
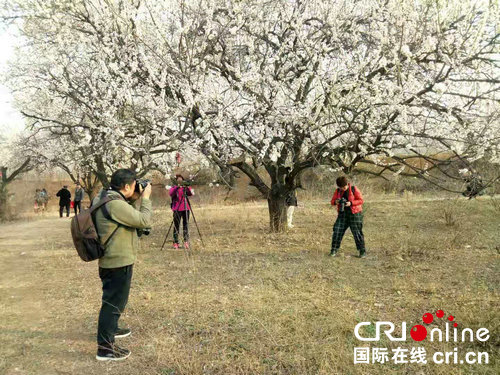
(450, 318)
(428, 318)
(455, 325)
(440, 313)
(418, 332)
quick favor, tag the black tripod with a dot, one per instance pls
(184, 199)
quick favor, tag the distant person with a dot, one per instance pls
(79, 193)
(290, 201)
(349, 203)
(474, 183)
(38, 201)
(64, 200)
(180, 207)
(45, 198)
(117, 223)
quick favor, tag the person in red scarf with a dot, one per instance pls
(180, 207)
(349, 203)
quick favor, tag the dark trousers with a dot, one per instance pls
(178, 215)
(78, 204)
(61, 209)
(346, 220)
(115, 291)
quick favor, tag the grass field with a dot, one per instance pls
(254, 303)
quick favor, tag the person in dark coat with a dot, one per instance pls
(64, 200)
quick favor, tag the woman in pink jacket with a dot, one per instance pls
(180, 207)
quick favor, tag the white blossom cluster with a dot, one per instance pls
(282, 82)
(336, 82)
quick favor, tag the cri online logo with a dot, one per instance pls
(419, 332)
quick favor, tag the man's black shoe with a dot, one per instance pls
(333, 253)
(362, 254)
(111, 353)
(122, 332)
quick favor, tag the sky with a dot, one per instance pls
(10, 119)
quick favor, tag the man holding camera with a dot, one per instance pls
(117, 222)
(349, 202)
(180, 207)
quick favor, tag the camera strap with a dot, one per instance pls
(352, 189)
(341, 194)
(104, 209)
(107, 215)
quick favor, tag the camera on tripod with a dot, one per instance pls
(180, 191)
(183, 183)
(342, 202)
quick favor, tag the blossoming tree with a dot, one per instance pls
(304, 83)
(279, 86)
(94, 89)
(12, 165)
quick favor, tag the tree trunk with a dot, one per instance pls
(103, 179)
(100, 172)
(277, 213)
(3, 201)
(228, 175)
(90, 184)
(282, 185)
(4, 196)
(276, 201)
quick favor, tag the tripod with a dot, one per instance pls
(184, 199)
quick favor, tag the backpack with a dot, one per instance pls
(84, 232)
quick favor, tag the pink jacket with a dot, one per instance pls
(178, 201)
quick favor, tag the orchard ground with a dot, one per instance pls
(250, 302)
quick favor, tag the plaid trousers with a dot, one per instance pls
(346, 220)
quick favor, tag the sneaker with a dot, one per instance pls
(333, 253)
(186, 245)
(111, 353)
(362, 254)
(122, 332)
(176, 246)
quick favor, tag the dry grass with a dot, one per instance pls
(251, 302)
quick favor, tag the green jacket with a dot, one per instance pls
(122, 248)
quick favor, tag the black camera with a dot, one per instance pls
(342, 202)
(144, 231)
(141, 183)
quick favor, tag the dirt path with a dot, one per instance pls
(24, 312)
(20, 241)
